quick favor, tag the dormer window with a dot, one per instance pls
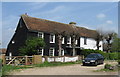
(40, 34)
(52, 38)
(68, 40)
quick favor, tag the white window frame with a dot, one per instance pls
(13, 42)
(52, 52)
(42, 51)
(76, 42)
(53, 38)
(63, 52)
(41, 33)
(10, 55)
(63, 40)
(69, 40)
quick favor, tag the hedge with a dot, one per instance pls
(110, 56)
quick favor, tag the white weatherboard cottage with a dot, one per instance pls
(90, 43)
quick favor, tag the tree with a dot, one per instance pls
(98, 37)
(109, 37)
(60, 37)
(74, 37)
(115, 44)
(31, 46)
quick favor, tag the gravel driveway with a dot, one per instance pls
(75, 69)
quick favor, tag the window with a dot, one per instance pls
(52, 38)
(10, 55)
(40, 51)
(13, 42)
(68, 40)
(40, 34)
(62, 52)
(51, 52)
(63, 41)
(76, 42)
(85, 41)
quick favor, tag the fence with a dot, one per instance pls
(37, 59)
(62, 58)
(19, 60)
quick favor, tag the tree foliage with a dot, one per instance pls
(31, 46)
(115, 44)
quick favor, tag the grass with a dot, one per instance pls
(107, 70)
(8, 68)
(48, 64)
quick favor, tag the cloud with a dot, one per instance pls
(101, 16)
(109, 22)
(36, 5)
(49, 13)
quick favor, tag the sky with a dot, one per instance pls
(91, 15)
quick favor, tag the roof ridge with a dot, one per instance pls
(46, 20)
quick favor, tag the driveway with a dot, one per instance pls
(76, 69)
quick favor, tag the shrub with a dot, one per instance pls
(108, 56)
(85, 52)
(107, 66)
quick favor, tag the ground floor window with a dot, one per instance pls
(40, 51)
(51, 51)
(62, 52)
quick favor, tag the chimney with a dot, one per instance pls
(72, 23)
(25, 13)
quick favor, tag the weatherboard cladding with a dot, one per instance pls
(37, 24)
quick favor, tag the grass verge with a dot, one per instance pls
(8, 68)
(48, 64)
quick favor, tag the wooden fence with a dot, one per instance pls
(19, 60)
(37, 59)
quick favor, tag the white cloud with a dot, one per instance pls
(36, 5)
(101, 16)
(49, 12)
(109, 22)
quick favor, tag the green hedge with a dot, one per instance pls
(110, 56)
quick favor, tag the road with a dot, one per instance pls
(75, 69)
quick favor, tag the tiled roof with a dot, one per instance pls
(37, 24)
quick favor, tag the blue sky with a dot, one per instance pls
(92, 15)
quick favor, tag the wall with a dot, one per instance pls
(91, 44)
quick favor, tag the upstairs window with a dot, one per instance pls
(51, 51)
(40, 51)
(85, 41)
(63, 40)
(40, 34)
(68, 40)
(52, 38)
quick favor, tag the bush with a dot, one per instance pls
(108, 56)
(107, 66)
(86, 52)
